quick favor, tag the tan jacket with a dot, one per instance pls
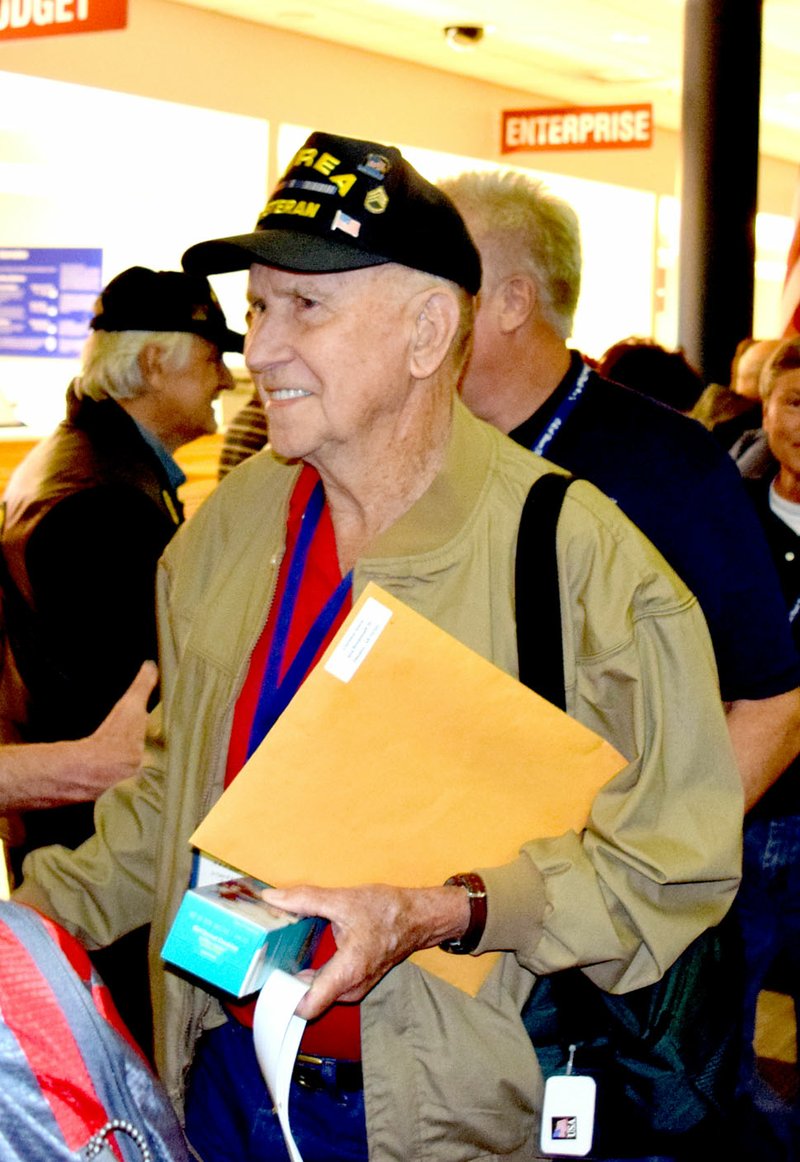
(447, 1077)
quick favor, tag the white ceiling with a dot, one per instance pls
(571, 51)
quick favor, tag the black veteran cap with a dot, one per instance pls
(344, 204)
(164, 300)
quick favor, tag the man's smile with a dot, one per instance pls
(286, 393)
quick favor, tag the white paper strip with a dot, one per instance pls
(277, 1033)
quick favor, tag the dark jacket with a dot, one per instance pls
(87, 516)
(683, 492)
(784, 797)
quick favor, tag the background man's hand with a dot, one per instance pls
(117, 746)
(48, 774)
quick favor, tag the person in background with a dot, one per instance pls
(88, 512)
(732, 412)
(361, 290)
(85, 518)
(751, 452)
(768, 904)
(668, 475)
(646, 366)
(752, 356)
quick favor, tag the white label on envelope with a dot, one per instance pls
(359, 640)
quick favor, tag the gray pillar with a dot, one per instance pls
(721, 91)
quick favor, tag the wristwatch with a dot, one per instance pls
(476, 893)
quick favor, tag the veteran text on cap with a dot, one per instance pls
(344, 204)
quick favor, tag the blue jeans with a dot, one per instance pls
(229, 1115)
(768, 910)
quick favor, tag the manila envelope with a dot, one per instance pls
(405, 757)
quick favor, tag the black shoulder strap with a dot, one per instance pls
(538, 605)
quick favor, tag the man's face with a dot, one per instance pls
(187, 394)
(329, 356)
(782, 421)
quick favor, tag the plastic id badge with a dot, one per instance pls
(568, 1115)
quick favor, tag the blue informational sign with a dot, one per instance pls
(47, 300)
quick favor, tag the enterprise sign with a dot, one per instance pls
(578, 127)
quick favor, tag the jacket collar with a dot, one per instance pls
(106, 419)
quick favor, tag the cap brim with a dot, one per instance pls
(231, 341)
(225, 339)
(285, 249)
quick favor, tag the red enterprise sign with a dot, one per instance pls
(29, 18)
(577, 127)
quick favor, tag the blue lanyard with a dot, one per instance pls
(277, 693)
(563, 412)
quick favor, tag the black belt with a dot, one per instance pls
(328, 1073)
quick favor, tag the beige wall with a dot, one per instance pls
(188, 55)
(184, 54)
(180, 54)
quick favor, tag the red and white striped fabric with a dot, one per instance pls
(74, 1086)
(789, 322)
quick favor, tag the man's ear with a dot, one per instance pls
(434, 328)
(515, 302)
(151, 363)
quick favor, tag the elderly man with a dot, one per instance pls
(86, 516)
(88, 513)
(362, 277)
(667, 474)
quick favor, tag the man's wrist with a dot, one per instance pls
(476, 894)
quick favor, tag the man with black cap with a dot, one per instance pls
(87, 514)
(362, 280)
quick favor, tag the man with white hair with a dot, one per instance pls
(667, 475)
(361, 286)
(89, 511)
(86, 517)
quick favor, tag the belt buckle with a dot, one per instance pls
(326, 1073)
(308, 1072)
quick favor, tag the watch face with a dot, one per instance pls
(469, 880)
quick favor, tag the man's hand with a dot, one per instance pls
(375, 927)
(766, 738)
(117, 746)
(48, 774)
